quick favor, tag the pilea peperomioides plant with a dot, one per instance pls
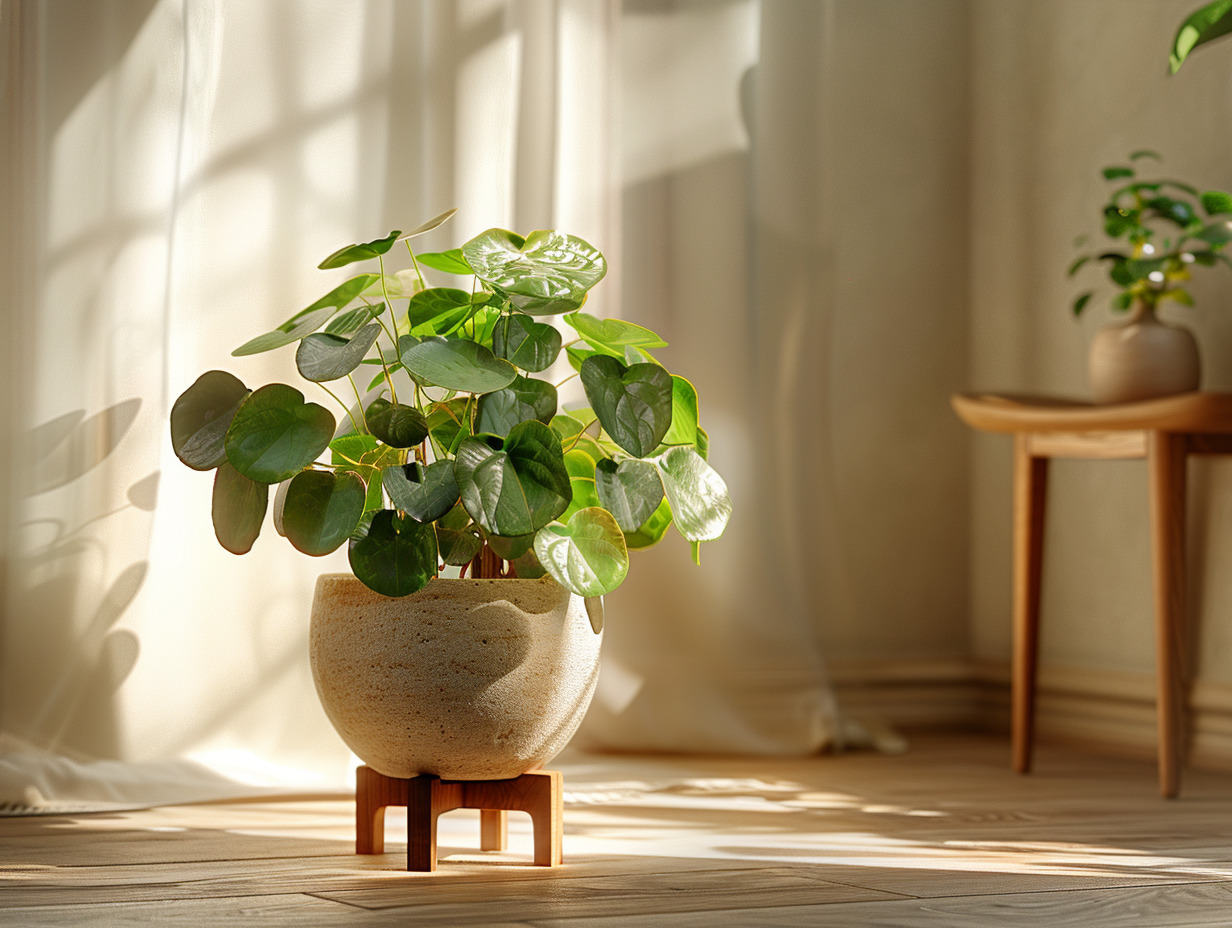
(456, 453)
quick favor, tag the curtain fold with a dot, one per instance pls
(186, 163)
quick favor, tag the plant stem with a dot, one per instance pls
(567, 379)
(345, 407)
(418, 273)
(359, 401)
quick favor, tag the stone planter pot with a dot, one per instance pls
(1142, 358)
(466, 679)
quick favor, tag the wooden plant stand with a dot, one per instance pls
(540, 793)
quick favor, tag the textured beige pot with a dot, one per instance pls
(1142, 358)
(466, 679)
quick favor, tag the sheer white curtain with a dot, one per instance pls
(178, 167)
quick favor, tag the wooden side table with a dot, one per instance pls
(1165, 431)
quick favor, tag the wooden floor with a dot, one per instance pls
(944, 835)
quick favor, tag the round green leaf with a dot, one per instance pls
(275, 434)
(457, 547)
(522, 341)
(587, 556)
(544, 274)
(396, 557)
(439, 309)
(634, 404)
(200, 417)
(322, 509)
(396, 424)
(698, 495)
(517, 486)
(457, 364)
(527, 566)
(511, 548)
(524, 399)
(613, 336)
(238, 509)
(322, 356)
(423, 493)
(631, 491)
(362, 252)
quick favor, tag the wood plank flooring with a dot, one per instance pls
(944, 835)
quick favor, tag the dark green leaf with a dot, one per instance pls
(451, 262)
(362, 252)
(423, 493)
(322, 357)
(396, 424)
(457, 364)
(1112, 173)
(510, 548)
(651, 533)
(238, 509)
(1201, 26)
(612, 336)
(353, 319)
(524, 399)
(698, 495)
(522, 341)
(631, 491)
(1081, 302)
(1176, 211)
(544, 274)
(1073, 268)
(587, 556)
(1217, 233)
(527, 567)
(321, 510)
(457, 547)
(200, 417)
(275, 434)
(1122, 301)
(517, 486)
(683, 430)
(396, 557)
(634, 404)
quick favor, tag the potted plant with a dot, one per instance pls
(1163, 229)
(455, 452)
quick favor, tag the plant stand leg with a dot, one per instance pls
(540, 794)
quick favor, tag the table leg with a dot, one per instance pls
(1030, 496)
(1167, 455)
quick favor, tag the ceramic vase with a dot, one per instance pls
(1142, 358)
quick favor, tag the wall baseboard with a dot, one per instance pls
(1114, 710)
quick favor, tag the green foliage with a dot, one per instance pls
(1201, 26)
(1161, 233)
(458, 454)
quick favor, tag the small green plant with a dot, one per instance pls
(455, 452)
(1205, 24)
(1164, 232)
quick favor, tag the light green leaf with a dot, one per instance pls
(544, 274)
(1201, 26)
(449, 424)
(651, 533)
(634, 404)
(238, 509)
(1216, 202)
(200, 417)
(322, 357)
(457, 364)
(587, 556)
(437, 310)
(361, 252)
(275, 434)
(423, 493)
(631, 491)
(322, 509)
(683, 430)
(612, 336)
(397, 556)
(348, 449)
(524, 399)
(517, 486)
(340, 296)
(697, 494)
(451, 262)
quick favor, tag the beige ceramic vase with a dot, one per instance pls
(466, 679)
(1142, 358)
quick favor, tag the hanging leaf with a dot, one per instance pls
(1112, 173)
(697, 494)
(683, 430)
(509, 548)
(451, 262)
(517, 486)
(527, 566)
(457, 547)
(362, 252)
(423, 493)
(322, 357)
(544, 274)
(396, 557)
(437, 220)
(1081, 302)
(457, 364)
(522, 341)
(238, 509)
(587, 556)
(322, 509)
(521, 401)
(634, 404)
(612, 336)
(652, 531)
(1201, 26)
(200, 417)
(396, 424)
(631, 491)
(275, 434)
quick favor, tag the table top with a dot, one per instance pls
(1197, 412)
